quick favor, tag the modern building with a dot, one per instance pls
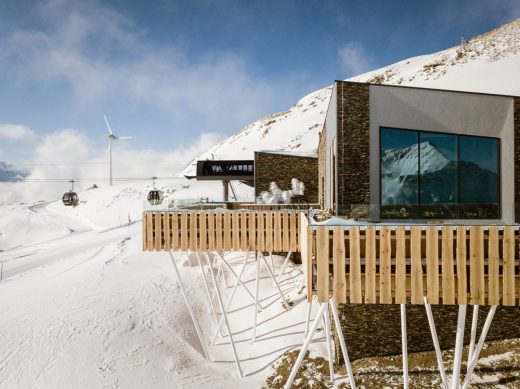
(394, 153)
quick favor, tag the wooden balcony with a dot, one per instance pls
(403, 264)
(266, 231)
(369, 264)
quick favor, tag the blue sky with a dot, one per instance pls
(180, 75)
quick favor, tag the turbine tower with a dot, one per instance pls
(112, 137)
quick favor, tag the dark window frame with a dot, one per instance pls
(458, 203)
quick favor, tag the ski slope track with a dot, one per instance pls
(81, 306)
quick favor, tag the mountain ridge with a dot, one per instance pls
(487, 63)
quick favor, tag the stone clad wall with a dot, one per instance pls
(375, 330)
(353, 148)
(281, 168)
(322, 165)
(516, 115)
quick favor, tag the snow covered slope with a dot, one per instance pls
(488, 63)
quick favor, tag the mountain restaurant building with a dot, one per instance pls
(394, 153)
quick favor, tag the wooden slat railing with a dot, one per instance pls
(402, 264)
(268, 231)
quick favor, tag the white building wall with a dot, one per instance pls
(443, 111)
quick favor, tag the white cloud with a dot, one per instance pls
(69, 154)
(354, 59)
(103, 57)
(16, 132)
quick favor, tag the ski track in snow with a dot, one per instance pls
(90, 309)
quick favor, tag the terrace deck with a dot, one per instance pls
(370, 264)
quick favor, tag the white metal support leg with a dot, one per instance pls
(192, 315)
(404, 344)
(206, 286)
(221, 256)
(341, 338)
(228, 303)
(480, 344)
(326, 325)
(257, 260)
(282, 270)
(220, 273)
(228, 266)
(305, 347)
(226, 320)
(272, 263)
(309, 310)
(459, 340)
(435, 340)
(473, 336)
(285, 303)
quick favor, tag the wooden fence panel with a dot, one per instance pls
(462, 284)
(294, 232)
(385, 276)
(355, 262)
(226, 242)
(338, 259)
(184, 231)
(416, 266)
(193, 231)
(509, 266)
(493, 266)
(175, 231)
(432, 264)
(322, 255)
(149, 227)
(218, 231)
(203, 231)
(277, 232)
(211, 231)
(476, 265)
(157, 230)
(370, 266)
(244, 245)
(167, 230)
(252, 230)
(400, 265)
(448, 275)
(306, 253)
(286, 239)
(269, 231)
(235, 231)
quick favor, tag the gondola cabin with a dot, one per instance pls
(70, 198)
(155, 197)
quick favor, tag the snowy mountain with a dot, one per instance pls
(487, 63)
(399, 169)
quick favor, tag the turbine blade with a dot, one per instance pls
(124, 137)
(108, 125)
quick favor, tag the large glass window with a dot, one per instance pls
(479, 168)
(399, 173)
(438, 176)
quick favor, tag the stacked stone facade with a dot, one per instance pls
(375, 330)
(353, 123)
(282, 168)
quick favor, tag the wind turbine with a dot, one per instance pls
(112, 137)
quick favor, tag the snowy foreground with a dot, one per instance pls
(82, 306)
